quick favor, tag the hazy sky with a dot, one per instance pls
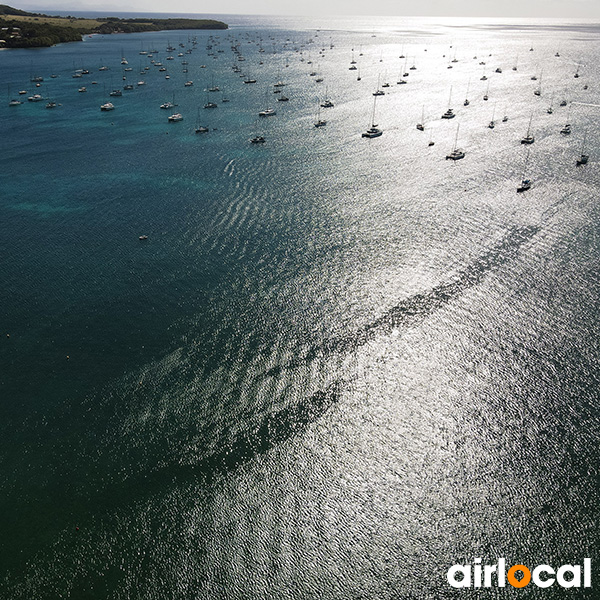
(589, 9)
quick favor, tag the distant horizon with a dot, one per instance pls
(588, 10)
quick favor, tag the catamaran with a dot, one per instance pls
(449, 114)
(528, 139)
(373, 131)
(456, 153)
(583, 159)
(525, 183)
(319, 122)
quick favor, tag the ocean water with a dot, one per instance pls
(337, 366)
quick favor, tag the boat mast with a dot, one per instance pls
(373, 124)
(456, 137)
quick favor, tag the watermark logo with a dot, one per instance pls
(519, 576)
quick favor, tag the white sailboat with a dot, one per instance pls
(529, 138)
(267, 112)
(378, 91)
(200, 128)
(566, 130)
(538, 91)
(492, 123)
(373, 131)
(449, 114)
(257, 139)
(456, 153)
(525, 183)
(327, 103)
(13, 101)
(319, 122)
(583, 158)
(167, 105)
(421, 123)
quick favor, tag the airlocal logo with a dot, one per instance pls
(544, 576)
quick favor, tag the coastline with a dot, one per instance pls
(20, 29)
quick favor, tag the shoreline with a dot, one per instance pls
(20, 29)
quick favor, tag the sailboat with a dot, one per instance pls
(528, 139)
(352, 62)
(405, 72)
(449, 114)
(200, 128)
(538, 91)
(487, 92)
(456, 153)
(566, 130)
(12, 102)
(259, 138)
(401, 80)
(421, 124)
(213, 87)
(210, 104)
(378, 91)
(373, 131)
(319, 122)
(525, 183)
(169, 104)
(583, 159)
(492, 123)
(327, 103)
(564, 102)
(466, 102)
(268, 112)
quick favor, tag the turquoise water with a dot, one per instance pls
(337, 366)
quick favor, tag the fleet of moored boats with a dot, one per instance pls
(213, 48)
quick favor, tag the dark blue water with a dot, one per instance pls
(337, 366)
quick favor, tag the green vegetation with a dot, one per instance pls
(21, 29)
(19, 34)
(9, 10)
(115, 25)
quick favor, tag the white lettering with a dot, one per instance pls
(477, 573)
(587, 572)
(575, 570)
(501, 572)
(465, 582)
(541, 582)
(488, 570)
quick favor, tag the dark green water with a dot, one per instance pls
(337, 366)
